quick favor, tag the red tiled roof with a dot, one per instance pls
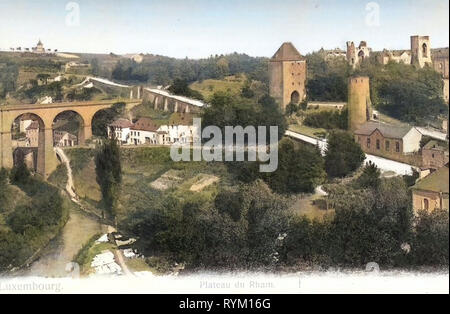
(122, 123)
(145, 124)
(287, 52)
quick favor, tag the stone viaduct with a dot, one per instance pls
(45, 115)
(162, 100)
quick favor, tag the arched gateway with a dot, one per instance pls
(45, 115)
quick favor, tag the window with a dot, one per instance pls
(397, 147)
(388, 144)
(368, 142)
(432, 155)
(425, 50)
(426, 204)
(378, 144)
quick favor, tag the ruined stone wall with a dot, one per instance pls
(433, 158)
(418, 55)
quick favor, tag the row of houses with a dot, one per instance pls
(401, 143)
(431, 190)
(146, 131)
(32, 131)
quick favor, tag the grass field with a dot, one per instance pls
(306, 130)
(147, 110)
(231, 84)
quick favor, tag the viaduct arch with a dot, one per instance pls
(46, 160)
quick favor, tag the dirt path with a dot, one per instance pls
(69, 186)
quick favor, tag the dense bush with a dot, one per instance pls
(369, 226)
(405, 92)
(9, 72)
(300, 169)
(228, 110)
(327, 80)
(29, 226)
(343, 154)
(160, 70)
(108, 170)
(104, 117)
(196, 232)
(328, 119)
(181, 87)
(430, 245)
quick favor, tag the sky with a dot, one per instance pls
(200, 28)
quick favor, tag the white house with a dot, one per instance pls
(120, 129)
(24, 124)
(64, 139)
(169, 134)
(143, 131)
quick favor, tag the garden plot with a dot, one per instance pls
(203, 181)
(168, 180)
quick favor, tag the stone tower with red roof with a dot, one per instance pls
(287, 76)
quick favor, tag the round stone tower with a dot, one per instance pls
(359, 104)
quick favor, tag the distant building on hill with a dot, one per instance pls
(356, 55)
(39, 47)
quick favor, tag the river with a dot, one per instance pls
(61, 250)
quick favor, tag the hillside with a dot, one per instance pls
(231, 84)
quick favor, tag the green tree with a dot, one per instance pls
(370, 178)
(109, 173)
(343, 154)
(406, 92)
(369, 225)
(300, 169)
(229, 110)
(430, 246)
(3, 188)
(20, 173)
(328, 119)
(104, 117)
(291, 108)
(229, 202)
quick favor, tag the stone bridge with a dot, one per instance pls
(46, 114)
(159, 99)
(162, 100)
